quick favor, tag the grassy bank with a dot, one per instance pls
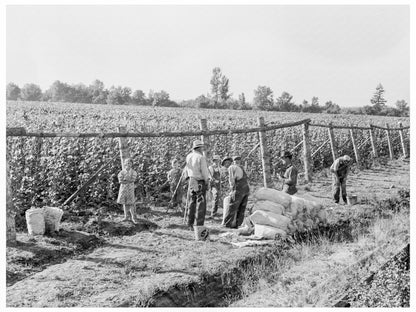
(317, 270)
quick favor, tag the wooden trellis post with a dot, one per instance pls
(373, 142)
(332, 141)
(124, 149)
(204, 138)
(307, 153)
(389, 141)
(10, 210)
(402, 140)
(265, 157)
(354, 145)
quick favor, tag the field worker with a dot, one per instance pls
(196, 170)
(215, 183)
(226, 162)
(340, 169)
(238, 196)
(175, 181)
(126, 178)
(290, 177)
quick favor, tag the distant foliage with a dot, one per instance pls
(263, 98)
(31, 92)
(12, 91)
(219, 88)
(219, 97)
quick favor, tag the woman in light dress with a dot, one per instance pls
(126, 197)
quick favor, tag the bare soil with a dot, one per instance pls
(108, 263)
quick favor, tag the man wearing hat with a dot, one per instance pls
(215, 182)
(290, 178)
(226, 162)
(197, 171)
(340, 169)
(238, 196)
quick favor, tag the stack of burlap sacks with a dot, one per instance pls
(277, 214)
(43, 220)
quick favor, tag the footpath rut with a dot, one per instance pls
(135, 270)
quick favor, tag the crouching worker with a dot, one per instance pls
(238, 196)
(197, 172)
(126, 178)
(340, 169)
(290, 178)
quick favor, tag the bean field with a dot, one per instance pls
(46, 171)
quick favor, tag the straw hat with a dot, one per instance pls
(346, 158)
(197, 143)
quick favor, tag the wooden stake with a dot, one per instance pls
(389, 142)
(320, 147)
(354, 145)
(373, 142)
(307, 153)
(265, 157)
(204, 138)
(332, 141)
(402, 141)
(124, 150)
(10, 210)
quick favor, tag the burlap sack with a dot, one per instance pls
(273, 196)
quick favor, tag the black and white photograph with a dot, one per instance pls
(230, 154)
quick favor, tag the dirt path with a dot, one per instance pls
(128, 270)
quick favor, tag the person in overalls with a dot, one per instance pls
(197, 172)
(290, 177)
(340, 169)
(215, 182)
(238, 196)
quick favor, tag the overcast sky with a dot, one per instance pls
(337, 53)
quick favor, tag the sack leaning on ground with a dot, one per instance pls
(53, 217)
(35, 221)
(225, 207)
(276, 211)
(41, 220)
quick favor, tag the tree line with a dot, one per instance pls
(219, 97)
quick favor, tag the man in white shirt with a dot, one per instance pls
(239, 194)
(197, 172)
(340, 169)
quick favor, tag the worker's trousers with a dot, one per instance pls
(235, 214)
(215, 190)
(339, 185)
(197, 205)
